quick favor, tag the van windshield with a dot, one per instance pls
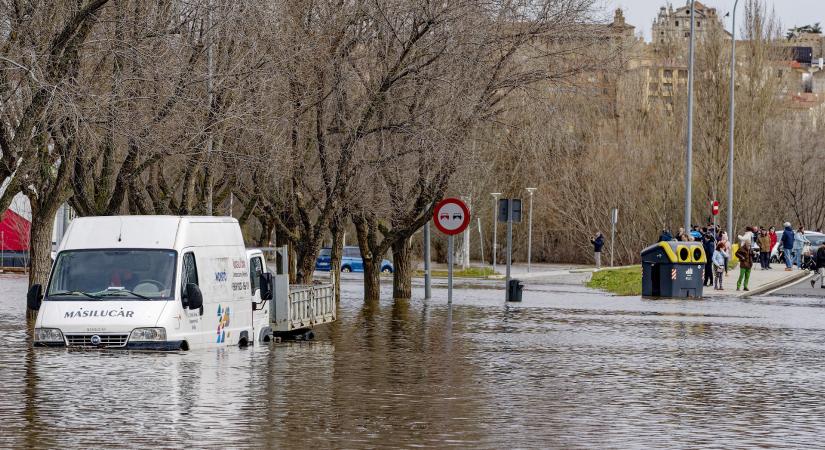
(113, 275)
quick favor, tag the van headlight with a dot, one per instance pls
(148, 334)
(48, 335)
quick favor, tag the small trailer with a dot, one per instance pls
(169, 283)
(296, 309)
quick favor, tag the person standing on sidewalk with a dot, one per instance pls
(723, 239)
(745, 265)
(764, 242)
(774, 238)
(787, 246)
(799, 242)
(598, 243)
(719, 265)
(820, 267)
(709, 245)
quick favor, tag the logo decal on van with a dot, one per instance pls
(220, 277)
(98, 313)
(223, 322)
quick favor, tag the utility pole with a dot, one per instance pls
(732, 120)
(689, 162)
(480, 239)
(465, 246)
(530, 190)
(209, 95)
(495, 195)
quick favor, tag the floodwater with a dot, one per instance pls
(567, 368)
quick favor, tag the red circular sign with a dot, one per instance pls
(715, 207)
(451, 216)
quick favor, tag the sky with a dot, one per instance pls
(640, 13)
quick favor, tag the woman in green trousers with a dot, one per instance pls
(745, 264)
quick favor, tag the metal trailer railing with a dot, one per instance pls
(310, 305)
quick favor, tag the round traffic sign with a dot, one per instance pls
(451, 216)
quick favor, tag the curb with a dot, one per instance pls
(603, 269)
(776, 284)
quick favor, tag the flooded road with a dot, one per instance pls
(566, 368)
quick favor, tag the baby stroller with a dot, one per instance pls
(808, 262)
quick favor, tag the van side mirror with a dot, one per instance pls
(35, 297)
(194, 296)
(266, 286)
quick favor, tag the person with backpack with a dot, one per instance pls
(745, 264)
(598, 243)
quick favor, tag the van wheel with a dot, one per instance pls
(346, 269)
(184, 346)
(244, 340)
(386, 270)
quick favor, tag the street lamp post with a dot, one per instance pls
(732, 120)
(495, 195)
(689, 162)
(530, 191)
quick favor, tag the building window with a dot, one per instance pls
(698, 24)
(683, 74)
(677, 23)
(668, 73)
(687, 34)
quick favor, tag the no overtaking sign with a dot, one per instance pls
(451, 216)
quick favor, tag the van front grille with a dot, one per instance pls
(106, 340)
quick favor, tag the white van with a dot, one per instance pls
(157, 283)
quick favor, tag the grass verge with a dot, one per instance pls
(626, 281)
(472, 272)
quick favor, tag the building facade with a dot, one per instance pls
(673, 26)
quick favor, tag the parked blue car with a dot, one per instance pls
(350, 262)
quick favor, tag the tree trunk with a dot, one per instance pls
(402, 275)
(372, 280)
(307, 254)
(40, 245)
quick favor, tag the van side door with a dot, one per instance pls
(189, 275)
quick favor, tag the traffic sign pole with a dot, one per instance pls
(450, 270)
(509, 248)
(428, 293)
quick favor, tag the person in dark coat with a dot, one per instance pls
(709, 245)
(665, 236)
(787, 245)
(598, 243)
(820, 267)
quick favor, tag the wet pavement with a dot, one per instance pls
(567, 368)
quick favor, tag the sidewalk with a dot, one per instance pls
(761, 281)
